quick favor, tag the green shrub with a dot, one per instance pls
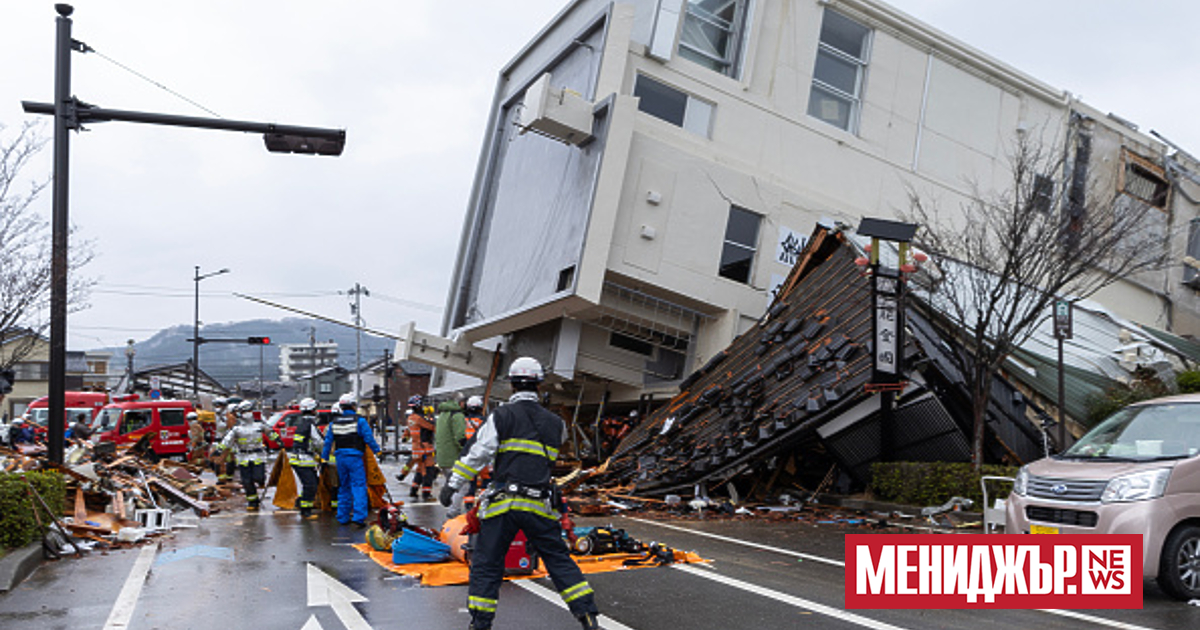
(1188, 382)
(18, 525)
(934, 483)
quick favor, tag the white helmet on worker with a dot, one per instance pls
(475, 402)
(525, 373)
(192, 415)
(348, 401)
(308, 404)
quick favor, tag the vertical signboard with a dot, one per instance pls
(888, 327)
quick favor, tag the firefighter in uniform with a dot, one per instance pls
(466, 494)
(521, 441)
(421, 432)
(350, 435)
(306, 444)
(246, 439)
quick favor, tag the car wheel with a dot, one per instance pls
(1179, 567)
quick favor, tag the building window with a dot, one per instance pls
(1145, 180)
(1042, 195)
(838, 74)
(325, 388)
(712, 34)
(632, 344)
(741, 241)
(674, 106)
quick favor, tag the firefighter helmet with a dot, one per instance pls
(308, 404)
(525, 370)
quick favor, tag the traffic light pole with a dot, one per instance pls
(62, 109)
(70, 114)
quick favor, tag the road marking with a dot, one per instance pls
(122, 610)
(324, 590)
(737, 541)
(798, 602)
(608, 623)
(1093, 619)
(312, 624)
(1064, 613)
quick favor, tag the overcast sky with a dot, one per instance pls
(411, 82)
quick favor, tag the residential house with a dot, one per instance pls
(27, 354)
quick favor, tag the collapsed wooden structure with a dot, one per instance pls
(791, 392)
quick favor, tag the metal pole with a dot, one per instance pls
(196, 339)
(260, 375)
(1062, 397)
(63, 123)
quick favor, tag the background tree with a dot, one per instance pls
(1003, 257)
(25, 249)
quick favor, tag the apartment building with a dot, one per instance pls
(299, 360)
(651, 169)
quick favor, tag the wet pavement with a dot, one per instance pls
(239, 570)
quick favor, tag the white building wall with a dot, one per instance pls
(937, 119)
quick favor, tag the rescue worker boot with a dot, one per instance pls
(589, 621)
(413, 491)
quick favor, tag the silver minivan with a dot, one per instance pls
(1136, 472)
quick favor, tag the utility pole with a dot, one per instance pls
(356, 309)
(312, 356)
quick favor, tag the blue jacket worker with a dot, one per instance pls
(348, 436)
(520, 440)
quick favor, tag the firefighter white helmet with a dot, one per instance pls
(308, 404)
(245, 406)
(348, 401)
(475, 402)
(525, 370)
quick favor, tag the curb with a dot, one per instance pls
(18, 564)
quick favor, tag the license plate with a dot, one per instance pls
(1042, 529)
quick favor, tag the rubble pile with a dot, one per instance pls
(790, 404)
(115, 496)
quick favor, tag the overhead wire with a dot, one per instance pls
(89, 49)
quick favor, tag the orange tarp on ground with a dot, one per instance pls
(454, 572)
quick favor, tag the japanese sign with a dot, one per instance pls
(791, 243)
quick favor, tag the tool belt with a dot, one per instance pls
(519, 490)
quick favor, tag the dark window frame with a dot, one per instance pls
(740, 268)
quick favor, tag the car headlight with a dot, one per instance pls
(1021, 482)
(1140, 486)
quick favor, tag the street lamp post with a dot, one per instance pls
(196, 341)
(70, 114)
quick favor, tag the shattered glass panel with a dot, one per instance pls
(711, 32)
(535, 207)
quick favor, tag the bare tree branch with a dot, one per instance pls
(25, 249)
(1004, 257)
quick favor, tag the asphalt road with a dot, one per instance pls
(270, 570)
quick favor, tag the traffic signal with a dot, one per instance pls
(375, 395)
(258, 341)
(7, 378)
(308, 145)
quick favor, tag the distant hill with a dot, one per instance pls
(233, 362)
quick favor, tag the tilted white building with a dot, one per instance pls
(651, 168)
